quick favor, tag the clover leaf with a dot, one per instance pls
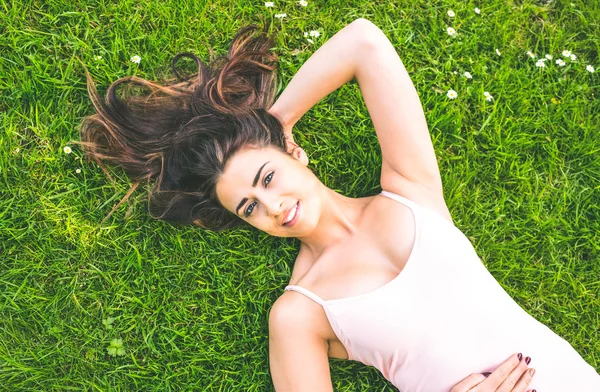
(108, 322)
(116, 347)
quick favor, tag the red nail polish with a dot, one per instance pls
(527, 360)
(519, 355)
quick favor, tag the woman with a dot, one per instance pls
(387, 280)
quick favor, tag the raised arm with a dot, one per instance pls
(363, 51)
(331, 66)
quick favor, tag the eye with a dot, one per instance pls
(269, 178)
(249, 209)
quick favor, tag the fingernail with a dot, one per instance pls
(527, 360)
(486, 374)
(531, 372)
(519, 355)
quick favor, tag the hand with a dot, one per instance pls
(512, 376)
(292, 148)
(295, 150)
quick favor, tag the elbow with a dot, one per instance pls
(362, 23)
(367, 33)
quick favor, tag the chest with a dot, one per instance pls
(363, 263)
(373, 256)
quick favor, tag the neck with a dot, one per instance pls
(339, 220)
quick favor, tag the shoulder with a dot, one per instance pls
(293, 313)
(426, 196)
(298, 353)
(292, 310)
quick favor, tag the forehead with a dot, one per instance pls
(236, 181)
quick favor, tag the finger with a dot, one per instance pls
(468, 383)
(288, 136)
(291, 146)
(524, 380)
(514, 376)
(502, 372)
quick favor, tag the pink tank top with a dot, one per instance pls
(445, 317)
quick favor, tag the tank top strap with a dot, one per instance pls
(307, 293)
(401, 199)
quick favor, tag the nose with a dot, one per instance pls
(274, 205)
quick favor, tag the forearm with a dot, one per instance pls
(331, 66)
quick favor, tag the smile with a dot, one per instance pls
(291, 217)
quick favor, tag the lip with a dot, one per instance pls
(295, 218)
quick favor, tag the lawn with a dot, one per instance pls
(136, 304)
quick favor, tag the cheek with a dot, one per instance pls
(262, 223)
(297, 178)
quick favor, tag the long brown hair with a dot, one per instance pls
(183, 133)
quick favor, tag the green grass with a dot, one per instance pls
(521, 177)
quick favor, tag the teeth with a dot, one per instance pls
(291, 214)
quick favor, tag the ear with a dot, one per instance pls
(296, 151)
(300, 155)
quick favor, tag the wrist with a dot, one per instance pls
(286, 122)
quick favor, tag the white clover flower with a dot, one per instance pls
(97, 58)
(549, 56)
(540, 63)
(477, 11)
(566, 53)
(560, 63)
(468, 75)
(530, 54)
(451, 13)
(78, 171)
(590, 69)
(305, 34)
(310, 40)
(269, 4)
(135, 59)
(281, 16)
(451, 31)
(573, 57)
(498, 52)
(67, 150)
(303, 3)
(488, 96)
(452, 94)
(314, 33)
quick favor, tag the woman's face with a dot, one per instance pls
(263, 185)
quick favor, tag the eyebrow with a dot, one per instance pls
(245, 199)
